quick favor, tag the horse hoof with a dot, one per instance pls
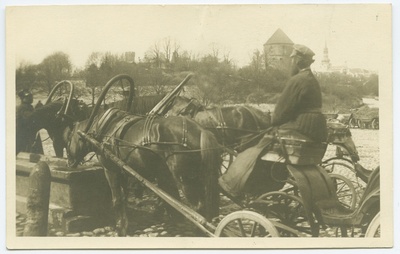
(121, 230)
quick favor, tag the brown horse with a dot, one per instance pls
(236, 127)
(175, 151)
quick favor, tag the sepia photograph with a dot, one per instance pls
(199, 126)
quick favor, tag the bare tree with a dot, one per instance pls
(214, 50)
(154, 55)
(167, 46)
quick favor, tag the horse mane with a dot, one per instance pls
(43, 111)
(263, 118)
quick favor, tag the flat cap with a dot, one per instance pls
(24, 93)
(302, 50)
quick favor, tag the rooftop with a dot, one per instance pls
(279, 37)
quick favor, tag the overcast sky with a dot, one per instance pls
(355, 34)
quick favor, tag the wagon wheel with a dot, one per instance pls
(345, 191)
(375, 124)
(246, 224)
(345, 167)
(286, 209)
(374, 228)
(360, 124)
(58, 88)
(227, 158)
(103, 94)
(352, 122)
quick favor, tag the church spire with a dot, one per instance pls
(326, 63)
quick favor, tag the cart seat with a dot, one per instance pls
(295, 148)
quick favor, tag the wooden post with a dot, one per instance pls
(38, 200)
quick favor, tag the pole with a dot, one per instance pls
(160, 106)
(38, 200)
(186, 211)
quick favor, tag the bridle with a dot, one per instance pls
(70, 136)
(196, 108)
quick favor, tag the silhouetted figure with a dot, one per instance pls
(25, 135)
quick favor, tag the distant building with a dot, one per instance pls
(326, 62)
(129, 57)
(326, 67)
(277, 50)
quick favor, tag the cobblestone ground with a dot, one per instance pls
(144, 221)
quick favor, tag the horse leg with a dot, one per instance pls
(59, 150)
(58, 144)
(188, 180)
(167, 183)
(115, 181)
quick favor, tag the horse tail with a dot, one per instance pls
(210, 163)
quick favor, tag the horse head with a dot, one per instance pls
(185, 107)
(76, 148)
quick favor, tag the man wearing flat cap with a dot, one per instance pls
(25, 138)
(298, 109)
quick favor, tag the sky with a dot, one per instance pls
(356, 35)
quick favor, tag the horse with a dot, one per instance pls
(236, 127)
(48, 117)
(45, 117)
(176, 152)
(240, 127)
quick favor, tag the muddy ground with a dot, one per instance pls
(146, 221)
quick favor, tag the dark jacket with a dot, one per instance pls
(299, 107)
(24, 133)
(24, 111)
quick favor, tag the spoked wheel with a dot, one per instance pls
(360, 124)
(375, 124)
(374, 228)
(286, 209)
(352, 123)
(345, 167)
(246, 224)
(345, 191)
(227, 159)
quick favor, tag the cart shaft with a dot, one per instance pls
(186, 211)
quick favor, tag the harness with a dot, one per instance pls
(123, 121)
(149, 121)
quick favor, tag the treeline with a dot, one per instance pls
(217, 79)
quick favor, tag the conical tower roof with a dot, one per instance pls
(279, 37)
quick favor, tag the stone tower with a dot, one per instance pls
(277, 50)
(325, 63)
